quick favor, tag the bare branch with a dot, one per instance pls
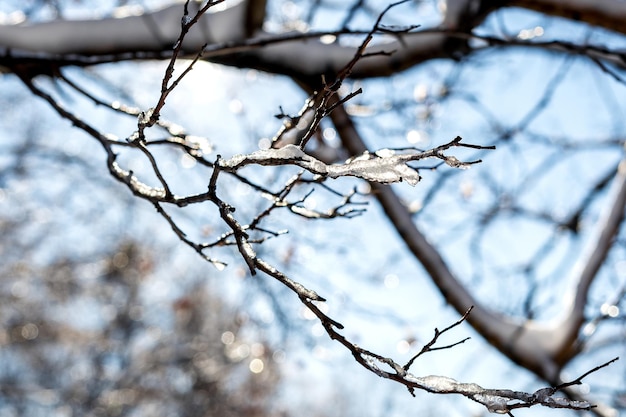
(152, 116)
(428, 347)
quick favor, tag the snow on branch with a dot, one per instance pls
(499, 401)
(368, 166)
(384, 166)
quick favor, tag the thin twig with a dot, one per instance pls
(428, 347)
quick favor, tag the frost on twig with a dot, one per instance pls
(499, 401)
(384, 166)
(368, 167)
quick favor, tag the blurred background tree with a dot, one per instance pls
(80, 337)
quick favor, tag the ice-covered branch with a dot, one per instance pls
(384, 166)
(532, 345)
(589, 264)
(500, 401)
(370, 167)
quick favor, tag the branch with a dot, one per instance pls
(428, 347)
(604, 13)
(501, 401)
(37, 47)
(531, 345)
(187, 22)
(594, 256)
(384, 166)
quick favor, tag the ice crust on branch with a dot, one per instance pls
(371, 167)
(499, 401)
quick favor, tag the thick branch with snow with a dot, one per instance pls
(231, 34)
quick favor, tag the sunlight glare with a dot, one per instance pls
(391, 281)
(317, 330)
(228, 338)
(252, 75)
(239, 352)
(307, 314)
(403, 347)
(20, 289)
(609, 310)
(12, 18)
(526, 34)
(321, 353)
(264, 143)
(330, 134)
(30, 331)
(417, 137)
(235, 106)
(415, 206)
(243, 189)
(279, 356)
(256, 366)
(127, 11)
(187, 161)
(420, 92)
(257, 349)
(467, 189)
(328, 39)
